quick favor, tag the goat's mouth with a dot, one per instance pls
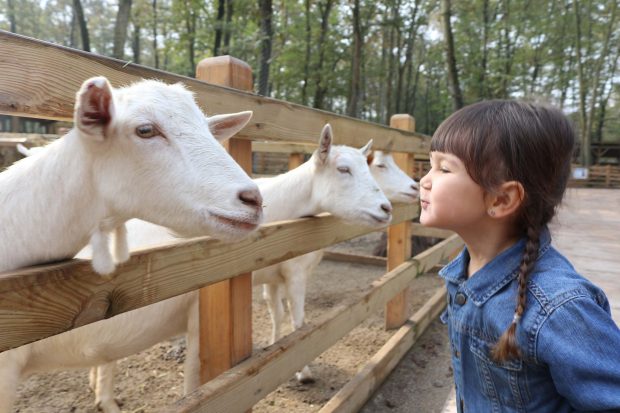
(381, 220)
(246, 224)
(412, 195)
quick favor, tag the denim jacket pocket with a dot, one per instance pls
(503, 383)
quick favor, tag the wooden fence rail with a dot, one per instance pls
(41, 301)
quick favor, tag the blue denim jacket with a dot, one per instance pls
(569, 343)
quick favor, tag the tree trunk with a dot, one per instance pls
(356, 58)
(453, 76)
(79, 15)
(12, 20)
(135, 44)
(266, 15)
(405, 68)
(219, 26)
(120, 29)
(597, 72)
(585, 152)
(227, 28)
(482, 89)
(155, 43)
(321, 89)
(190, 25)
(306, 79)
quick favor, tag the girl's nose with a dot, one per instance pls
(425, 181)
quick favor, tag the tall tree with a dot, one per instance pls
(81, 21)
(356, 62)
(320, 91)
(307, 54)
(120, 29)
(155, 45)
(12, 20)
(219, 26)
(453, 75)
(266, 16)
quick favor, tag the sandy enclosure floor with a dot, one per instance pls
(154, 378)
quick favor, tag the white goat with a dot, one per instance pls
(336, 179)
(289, 278)
(144, 151)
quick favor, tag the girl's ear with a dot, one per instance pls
(507, 200)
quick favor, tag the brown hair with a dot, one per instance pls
(501, 141)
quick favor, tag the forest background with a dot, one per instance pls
(367, 59)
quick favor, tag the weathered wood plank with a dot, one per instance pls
(421, 231)
(360, 388)
(399, 236)
(49, 92)
(38, 302)
(355, 258)
(242, 386)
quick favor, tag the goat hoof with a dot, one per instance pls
(305, 376)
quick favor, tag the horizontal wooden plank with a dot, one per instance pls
(41, 301)
(283, 147)
(355, 258)
(55, 73)
(361, 387)
(242, 386)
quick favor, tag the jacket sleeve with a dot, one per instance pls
(580, 343)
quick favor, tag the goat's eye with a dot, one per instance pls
(344, 170)
(147, 131)
(380, 165)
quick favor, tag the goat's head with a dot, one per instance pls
(344, 186)
(395, 184)
(155, 156)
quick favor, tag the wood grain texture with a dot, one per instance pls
(40, 79)
(399, 236)
(242, 386)
(38, 302)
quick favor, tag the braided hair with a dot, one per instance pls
(503, 140)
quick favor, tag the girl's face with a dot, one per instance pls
(449, 198)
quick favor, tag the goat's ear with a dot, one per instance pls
(94, 107)
(325, 142)
(224, 126)
(370, 157)
(366, 149)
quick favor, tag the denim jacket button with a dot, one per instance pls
(460, 298)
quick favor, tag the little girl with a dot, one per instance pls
(527, 333)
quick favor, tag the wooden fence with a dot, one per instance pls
(42, 301)
(599, 176)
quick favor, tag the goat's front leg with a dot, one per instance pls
(296, 297)
(120, 246)
(102, 258)
(271, 294)
(104, 387)
(191, 368)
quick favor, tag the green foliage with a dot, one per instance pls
(504, 49)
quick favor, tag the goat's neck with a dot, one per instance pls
(289, 195)
(49, 205)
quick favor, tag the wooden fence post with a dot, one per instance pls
(295, 159)
(226, 307)
(399, 236)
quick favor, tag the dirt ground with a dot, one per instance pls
(154, 378)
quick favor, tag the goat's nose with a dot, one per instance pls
(414, 186)
(387, 208)
(251, 197)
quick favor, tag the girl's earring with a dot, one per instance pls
(492, 212)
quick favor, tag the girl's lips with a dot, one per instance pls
(424, 204)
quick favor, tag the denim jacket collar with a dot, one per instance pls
(494, 275)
